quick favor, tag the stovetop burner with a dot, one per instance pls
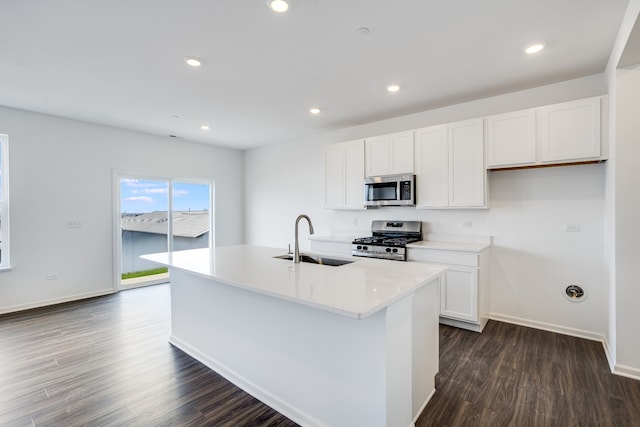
(386, 241)
(389, 240)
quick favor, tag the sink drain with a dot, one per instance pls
(575, 293)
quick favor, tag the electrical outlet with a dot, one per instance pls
(74, 223)
(354, 221)
(572, 228)
(467, 224)
(52, 276)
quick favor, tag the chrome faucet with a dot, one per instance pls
(296, 250)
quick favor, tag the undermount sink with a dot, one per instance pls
(315, 259)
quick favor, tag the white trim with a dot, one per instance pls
(117, 176)
(422, 408)
(579, 333)
(608, 354)
(54, 301)
(627, 371)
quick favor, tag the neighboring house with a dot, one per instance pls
(146, 233)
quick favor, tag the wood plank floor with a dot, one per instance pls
(515, 376)
(106, 362)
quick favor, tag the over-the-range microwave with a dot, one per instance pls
(390, 190)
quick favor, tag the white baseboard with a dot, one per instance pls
(616, 368)
(422, 408)
(627, 371)
(54, 301)
(294, 414)
(607, 352)
(579, 333)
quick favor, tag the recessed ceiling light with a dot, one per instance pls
(193, 61)
(393, 88)
(314, 110)
(362, 31)
(279, 6)
(205, 127)
(534, 48)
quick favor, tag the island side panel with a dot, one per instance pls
(316, 367)
(399, 366)
(426, 345)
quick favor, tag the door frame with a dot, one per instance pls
(117, 176)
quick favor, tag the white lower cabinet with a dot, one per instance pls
(465, 290)
(459, 294)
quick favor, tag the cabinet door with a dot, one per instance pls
(466, 164)
(459, 294)
(389, 154)
(354, 175)
(334, 155)
(511, 139)
(432, 167)
(569, 131)
(378, 155)
(402, 152)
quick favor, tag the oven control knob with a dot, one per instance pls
(364, 248)
(388, 249)
(395, 250)
(359, 247)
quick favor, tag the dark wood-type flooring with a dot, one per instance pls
(106, 362)
(515, 376)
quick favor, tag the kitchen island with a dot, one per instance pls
(352, 345)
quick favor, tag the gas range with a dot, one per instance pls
(388, 240)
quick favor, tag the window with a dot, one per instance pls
(4, 202)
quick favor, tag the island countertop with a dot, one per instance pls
(357, 290)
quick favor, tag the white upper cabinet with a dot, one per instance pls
(467, 173)
(449, 165)
(511, 139)
(344, 175)
(389, 154)
(570, 131)
(432, 167)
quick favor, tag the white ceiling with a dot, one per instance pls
(120, 62)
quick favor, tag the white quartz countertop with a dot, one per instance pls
(431, 241)
(449, 246)
(357, 290)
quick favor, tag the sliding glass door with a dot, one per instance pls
(159, 215)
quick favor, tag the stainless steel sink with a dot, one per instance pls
(315, 259)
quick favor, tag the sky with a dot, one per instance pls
(143, 195)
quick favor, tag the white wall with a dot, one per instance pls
(62, 169)
(627, 230)
(533, 258)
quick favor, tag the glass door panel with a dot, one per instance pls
(144, 219)
(191, 216)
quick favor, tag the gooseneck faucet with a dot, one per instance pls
(296, 250)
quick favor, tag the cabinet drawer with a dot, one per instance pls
(471, 259)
